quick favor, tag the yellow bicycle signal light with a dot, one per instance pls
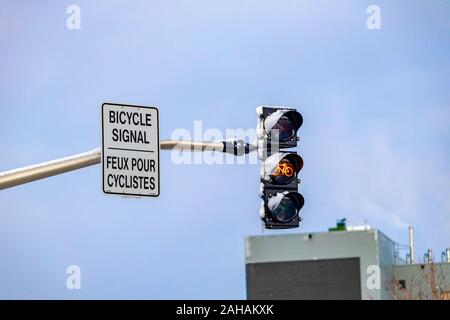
(283, 168)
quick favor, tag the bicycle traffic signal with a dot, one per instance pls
(277, 130)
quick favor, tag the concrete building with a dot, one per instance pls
(351, 263)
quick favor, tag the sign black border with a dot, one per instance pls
(103, 153)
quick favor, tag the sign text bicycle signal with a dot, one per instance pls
(130, 150)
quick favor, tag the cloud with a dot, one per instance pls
(374, 177)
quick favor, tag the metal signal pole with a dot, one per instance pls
(43, 170)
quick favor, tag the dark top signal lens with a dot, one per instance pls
(286, 129)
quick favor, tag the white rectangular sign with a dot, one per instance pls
(130, 150)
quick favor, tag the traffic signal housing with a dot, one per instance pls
(277, 130)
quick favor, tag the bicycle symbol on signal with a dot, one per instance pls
(284, 169)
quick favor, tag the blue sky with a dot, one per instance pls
(375, 139)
